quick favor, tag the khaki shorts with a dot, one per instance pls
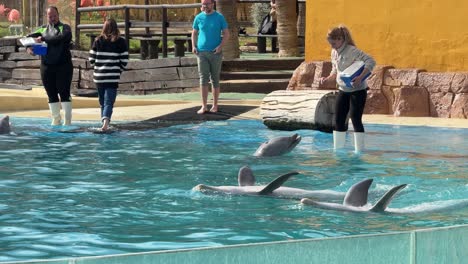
(209, 67)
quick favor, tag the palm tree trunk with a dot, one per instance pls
(287, 28)
(229, 10)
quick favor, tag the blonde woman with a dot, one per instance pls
(350, 100)
(109, 55)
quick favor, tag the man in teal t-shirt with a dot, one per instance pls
(207, 45)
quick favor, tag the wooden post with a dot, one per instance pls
(31, 12)
(261, 44)
(164, 31)
(26, 14)
(144, 53)
(153, 49)
(42, 12)
(127, 26)
(38, 13)
(301, 23)
(179, 47)
(77, 22)
(147, 31)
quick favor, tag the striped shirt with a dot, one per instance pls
(109, 60)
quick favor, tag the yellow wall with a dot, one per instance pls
(427, 34)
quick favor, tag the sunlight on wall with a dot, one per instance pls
(425, 34)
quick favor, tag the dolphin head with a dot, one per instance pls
(278, 146)
(5, 125)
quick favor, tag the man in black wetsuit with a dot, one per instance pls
(56, 64)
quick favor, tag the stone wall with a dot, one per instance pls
(400, 92)
(142, 77)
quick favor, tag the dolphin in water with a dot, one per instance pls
(356, 199)
(247, 186)
(278, 146)
(5, 125)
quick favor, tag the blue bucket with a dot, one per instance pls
(39, 49)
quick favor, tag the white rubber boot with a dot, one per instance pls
(55, 112)
(359, 142)
(67, 109)
(339, 139)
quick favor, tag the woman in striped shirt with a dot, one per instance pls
(109, 55)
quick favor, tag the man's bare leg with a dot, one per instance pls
(204, 97)
(215, 92)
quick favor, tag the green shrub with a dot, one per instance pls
(258, 12)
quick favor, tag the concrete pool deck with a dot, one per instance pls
(33, 103)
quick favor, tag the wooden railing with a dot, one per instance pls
(146, 24)
(127, 24)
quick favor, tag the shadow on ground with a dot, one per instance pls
(186, 116)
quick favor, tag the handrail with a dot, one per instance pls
(122, 7)
(140, 24)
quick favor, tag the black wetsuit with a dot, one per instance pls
(56, 65)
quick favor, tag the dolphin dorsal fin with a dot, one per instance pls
(276, 183)
(245, 177)
(357, 194)
(382, 204)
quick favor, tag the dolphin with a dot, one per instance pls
(356, 199)
(247, 186)
(278, 146)
(5, 125)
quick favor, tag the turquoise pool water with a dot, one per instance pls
(84, 194)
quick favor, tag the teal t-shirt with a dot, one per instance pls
(209, 29)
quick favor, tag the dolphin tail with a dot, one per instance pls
(276, 183)
(357, 194)
(245, 177)
(382, 204)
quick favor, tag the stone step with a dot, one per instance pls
(255, 75)
(261, 64)
(15, 86)
(254, 86)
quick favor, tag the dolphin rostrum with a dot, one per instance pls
(5, 125)
(356, 199)
(247, 186)
(278, 146)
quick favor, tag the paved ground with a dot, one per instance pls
(174, 107)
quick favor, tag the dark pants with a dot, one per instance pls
(353, 103)
(106, 100)
(57, 81)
